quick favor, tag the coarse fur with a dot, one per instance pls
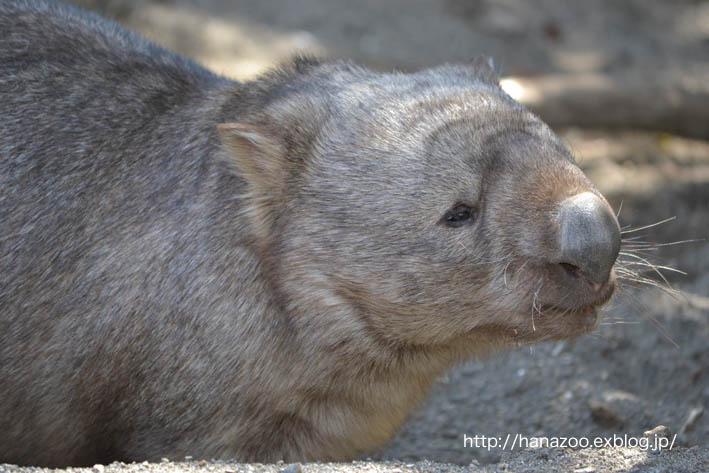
(194, 266)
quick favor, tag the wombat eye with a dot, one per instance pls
(459, 215)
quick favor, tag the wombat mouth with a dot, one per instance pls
(558, 321)
(586, 318)
(604, 294)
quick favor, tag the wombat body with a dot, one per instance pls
(277, 269)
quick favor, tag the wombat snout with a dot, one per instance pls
(589, 236)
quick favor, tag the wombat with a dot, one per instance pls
(276, 269)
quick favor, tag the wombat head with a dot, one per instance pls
(431, 204)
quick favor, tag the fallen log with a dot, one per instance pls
(605, 101)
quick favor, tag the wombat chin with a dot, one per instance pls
(271, 270)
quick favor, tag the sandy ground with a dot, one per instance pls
(648, 363)
(694, 460)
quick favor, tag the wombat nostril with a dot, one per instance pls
(577, 273)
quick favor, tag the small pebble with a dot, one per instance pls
(294, 468)
(659, 431)
(99, 468)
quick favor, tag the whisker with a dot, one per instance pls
(620, 207)
(650, 252)
(534, 307)
(645, 262)
(650, 282)
(659, 245)
(650, 225)
(634, 238)
(504, 273)
(663, 330)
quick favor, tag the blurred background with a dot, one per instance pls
(626, 85)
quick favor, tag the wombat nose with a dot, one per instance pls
(590, 236)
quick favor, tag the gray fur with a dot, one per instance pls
(193, 266)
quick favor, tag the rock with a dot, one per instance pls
(659, 431)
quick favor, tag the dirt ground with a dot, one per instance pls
(648, 363)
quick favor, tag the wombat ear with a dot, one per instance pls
(484, 68)
(258, 156)
(260, 160)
